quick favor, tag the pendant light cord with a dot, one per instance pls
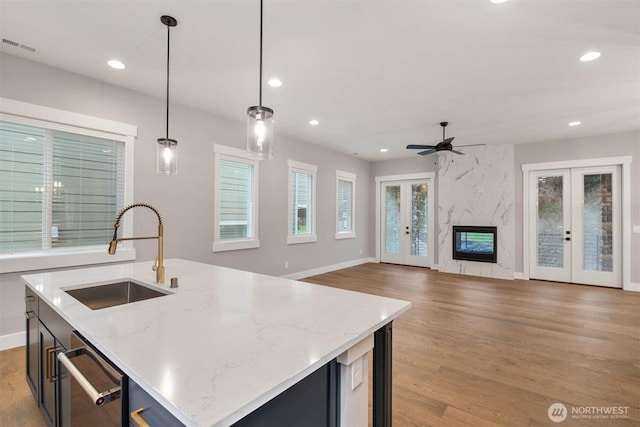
(168, 44)
(260, 96)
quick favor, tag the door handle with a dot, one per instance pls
(567, 239)
(98, 398)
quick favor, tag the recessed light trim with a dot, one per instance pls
(275, 82)
(384, 150)
(590, 56)
(499, 1)
(114, 63)
(314, 122)
(576, 123)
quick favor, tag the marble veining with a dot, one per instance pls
(226, 341)
(477, 189)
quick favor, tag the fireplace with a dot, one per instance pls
(472, 243)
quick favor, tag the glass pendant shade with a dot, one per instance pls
(260, 132)
(167, 156)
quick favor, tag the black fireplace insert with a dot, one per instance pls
(472, 243)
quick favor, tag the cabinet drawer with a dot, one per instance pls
(153, 413)
(56, 325)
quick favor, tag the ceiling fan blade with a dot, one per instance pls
(429, 151)
(457, 152)
(419, 147)
(470, 145)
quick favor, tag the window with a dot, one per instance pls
(345, 205)
(236, 200)
(61, 186)
(302, 202)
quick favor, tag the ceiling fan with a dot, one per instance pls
(444, 145)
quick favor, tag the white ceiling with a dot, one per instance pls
(375, 73)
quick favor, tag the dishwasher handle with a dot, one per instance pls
(97, 397)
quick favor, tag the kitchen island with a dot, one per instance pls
(225, 342)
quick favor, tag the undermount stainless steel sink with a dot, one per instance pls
(111, 294)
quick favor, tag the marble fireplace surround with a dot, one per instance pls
(477, 189)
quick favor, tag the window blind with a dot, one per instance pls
(21, 187)
(57, 189)
(345, 205)
(236, 200)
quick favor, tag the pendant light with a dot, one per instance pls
(167, 155)
(260, 121)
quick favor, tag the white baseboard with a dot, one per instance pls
(435, 267)
(321, 270)
(12, 340)
(634, 287)
(519, 275)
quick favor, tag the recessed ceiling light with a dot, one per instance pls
(498, 1)
(314, 122)
(114, 63)
(590, 56)
(576, 123)
(275, 82)
(383, 150)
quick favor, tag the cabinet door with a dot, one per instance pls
(48, 375)
(32, 351)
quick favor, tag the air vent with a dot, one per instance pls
(16, 44)
(12, 43)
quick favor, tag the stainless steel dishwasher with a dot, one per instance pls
(93, 391)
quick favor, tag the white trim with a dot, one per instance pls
(406, 177)
(519, 275)
(53, 115)
(633, 287)
(305, 238)
(348, 177)
(327, 269)
(240, 156)
(625, 164)
(10, 341)
(60, 258)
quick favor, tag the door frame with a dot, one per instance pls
(624, 162)
(431, 210)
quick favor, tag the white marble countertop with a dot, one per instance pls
(226, 341)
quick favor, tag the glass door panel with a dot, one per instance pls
(597, 219)
(550, 244)
(419, 218)
(392, 219)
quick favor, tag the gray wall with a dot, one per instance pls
(186, 200)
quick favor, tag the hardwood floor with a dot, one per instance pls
(18, 408)
(475, 352)
(481, 352)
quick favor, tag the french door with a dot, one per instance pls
(575, 223)
(406, 222)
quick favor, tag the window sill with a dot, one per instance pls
(59, 258)
(294, 240)
(235, 245)
(346, 235)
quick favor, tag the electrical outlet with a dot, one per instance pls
(286, 264)
(636, 229)
(360, 251)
